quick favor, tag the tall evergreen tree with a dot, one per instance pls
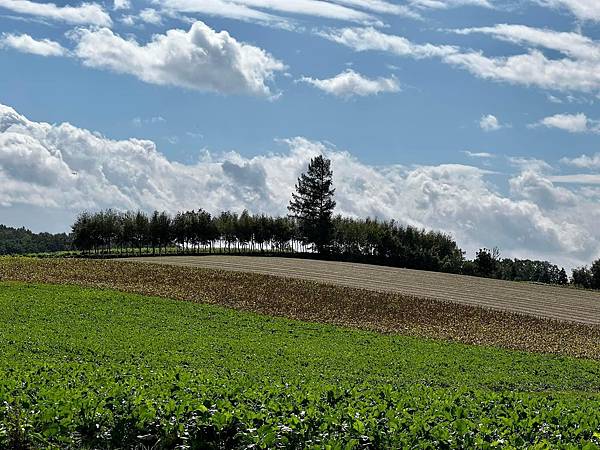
(312, 204)
(595, 269)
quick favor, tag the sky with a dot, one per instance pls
(478, 118)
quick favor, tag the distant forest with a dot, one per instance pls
(20, 241)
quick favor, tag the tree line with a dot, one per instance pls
(20, 241)
(188, 232)
(358, 240)
(587, 277)
(487, 263)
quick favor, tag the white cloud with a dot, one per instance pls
(26, 44)
(573, 123)
(223, 8)
(350, 83)
(253, 10)
(578, 178)
(578, 70)
(85, 14)
(150, 16)
(379, 6)
(489, 122)
(582, 9)
(574, 45)
(58, 170)
(121, 4)
(445, 4)
(363, 39)
(139, 121)
(584, 161)
(483, 155)
(317, 8)
(539, 188)
(127, 20)
(201, 59)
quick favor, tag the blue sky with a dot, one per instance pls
(497, 98)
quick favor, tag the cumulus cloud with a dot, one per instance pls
(121, 4)
(200, 59)
(489, 122)
(61, 168)
(573, 123)
(540, 189)
(584, 161)
(350, 83)
(26, 44)
(85, 14)
(151, 16)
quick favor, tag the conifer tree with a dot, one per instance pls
(312, 204)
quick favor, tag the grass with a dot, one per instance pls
(96, 368)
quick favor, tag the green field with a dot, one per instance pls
(88, 368)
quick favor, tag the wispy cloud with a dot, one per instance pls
(85, 14)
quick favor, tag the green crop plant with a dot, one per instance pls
(91, 368)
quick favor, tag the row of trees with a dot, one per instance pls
(198, 231)
(587, 277)
(20, 241)
(488, 263)
(368, 240)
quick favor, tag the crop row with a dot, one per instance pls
(89, 368)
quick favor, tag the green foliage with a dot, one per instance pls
(101, 369)
(582, 277)
(312, 204)
(20, 241)
(486, 262)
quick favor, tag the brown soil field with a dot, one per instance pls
(311, 301)
(550, 302)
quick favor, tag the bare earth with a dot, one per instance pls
(538, 300)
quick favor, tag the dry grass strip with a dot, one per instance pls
(316, 302)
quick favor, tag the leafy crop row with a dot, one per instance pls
(86, 368)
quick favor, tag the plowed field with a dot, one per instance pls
(538, 300)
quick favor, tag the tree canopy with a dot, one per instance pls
(312, 204)
(19, 241)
